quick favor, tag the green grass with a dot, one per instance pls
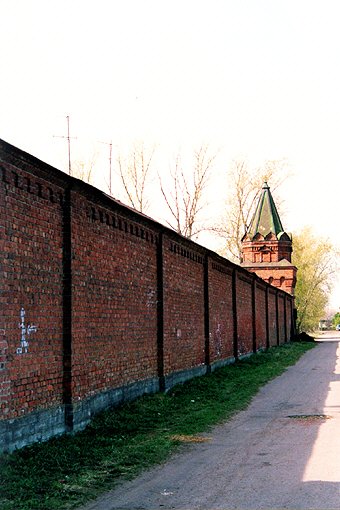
(65, 472)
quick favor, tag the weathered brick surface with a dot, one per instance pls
(244, 314)
(31, 257)
(183, 307)
(272, 317)
(289, 318)
(260, 316)
(220, 311)
(114, 279)
(120, 305)
(282, 322)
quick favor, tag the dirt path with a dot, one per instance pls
(279, 453)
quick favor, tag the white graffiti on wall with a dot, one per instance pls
(218, 340)
(26, 331)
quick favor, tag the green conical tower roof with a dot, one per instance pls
(266, 219)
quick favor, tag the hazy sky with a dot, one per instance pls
(257, 78)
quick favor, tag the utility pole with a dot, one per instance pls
(110, 167)
(68, 137)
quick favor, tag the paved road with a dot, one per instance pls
(270, 456)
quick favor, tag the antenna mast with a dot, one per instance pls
(68, 137)
(69, 145)
(110, 161)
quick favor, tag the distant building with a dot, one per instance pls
(325, 324)
(267, 248)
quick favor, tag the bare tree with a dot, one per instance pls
(244, 190)
(84, 170)
(185, 198)
(135, 175)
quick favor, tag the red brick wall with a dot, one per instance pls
(220, 311)
(282, 323)
(244, 314)
(260, 311)
(183, 307)
(272, 317)
(281, 277)
(122, 305)
(289, 317)
(114, 299)
(31, 267)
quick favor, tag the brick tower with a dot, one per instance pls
(267, 248)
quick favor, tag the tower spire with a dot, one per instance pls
(266, 218)
(266, 247)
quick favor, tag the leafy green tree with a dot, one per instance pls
(336, 319)
(315, 259)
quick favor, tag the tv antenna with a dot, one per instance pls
(68, 137)
(110, 161)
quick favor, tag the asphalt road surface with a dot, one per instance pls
(283, 451)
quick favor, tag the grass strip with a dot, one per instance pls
(67, 471)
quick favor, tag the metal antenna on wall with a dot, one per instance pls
(68, 137)
(110, 160)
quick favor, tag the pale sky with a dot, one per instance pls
(257, 78)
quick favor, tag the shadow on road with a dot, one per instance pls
(281, 452)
